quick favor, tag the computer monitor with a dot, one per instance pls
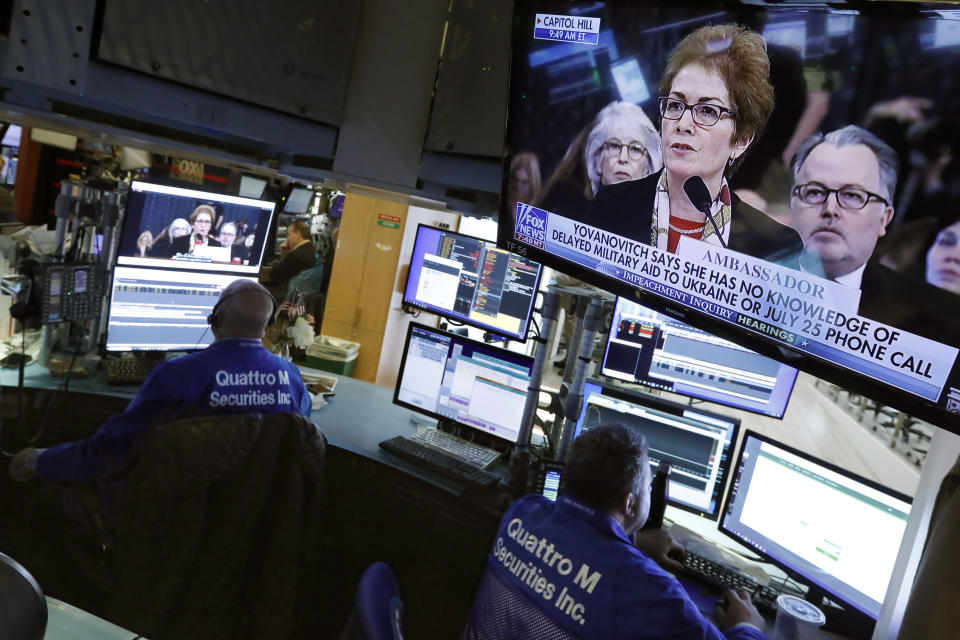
(162, 309)
(471, 280)
(696, 443)
(657, 350)
(835, 530)
(458, 380)
(298, 200)
(174, 228)
(251, 187)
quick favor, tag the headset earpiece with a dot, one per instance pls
(214, 318)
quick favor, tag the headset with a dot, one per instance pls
(214, 318)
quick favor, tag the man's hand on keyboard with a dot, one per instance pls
(736, 608)
(659, 545)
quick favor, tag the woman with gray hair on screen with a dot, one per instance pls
(623, 145)
(619, 144)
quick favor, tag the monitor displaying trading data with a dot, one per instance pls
(696, 443)
(659, 351)
(470, 280)
(835, 530)
(474, 384)
(162, 310)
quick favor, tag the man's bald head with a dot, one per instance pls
(245, 307)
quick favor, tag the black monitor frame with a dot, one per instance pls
(678, 409)
(447, 424)
(816, 589)
(520, 336)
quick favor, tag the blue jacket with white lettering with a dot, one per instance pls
(566, 570)
(232, 375)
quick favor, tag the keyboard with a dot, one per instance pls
(128, 370)
(721, 577)
(459, 448)
(439, 463)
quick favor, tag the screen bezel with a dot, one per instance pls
(851, 380)
(799, 575)
(704, 397)
(444, 313)
(676, 408)
(487, 436)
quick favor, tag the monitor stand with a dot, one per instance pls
(847, 622)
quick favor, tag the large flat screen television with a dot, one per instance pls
(470, 280)
(711, 198)
(656, 350)
(836, 531)
(696, 443)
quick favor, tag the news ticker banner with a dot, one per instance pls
(808, 313)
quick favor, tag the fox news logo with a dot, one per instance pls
(531, 227)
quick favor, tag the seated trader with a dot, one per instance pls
(235, 374)
(569, 569)
(841, 204)
(298, 254)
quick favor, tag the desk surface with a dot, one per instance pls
(66, 622)
(356, 419)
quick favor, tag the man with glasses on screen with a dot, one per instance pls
(841, 204)
(569, 569)
(842, 201)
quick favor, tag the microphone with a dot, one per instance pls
(699, 196)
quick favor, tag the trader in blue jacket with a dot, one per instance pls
(569, 569)
(235, 374)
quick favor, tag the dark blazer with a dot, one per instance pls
(182, 244)
(627, 210)
(303, 257)
(908, 304)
